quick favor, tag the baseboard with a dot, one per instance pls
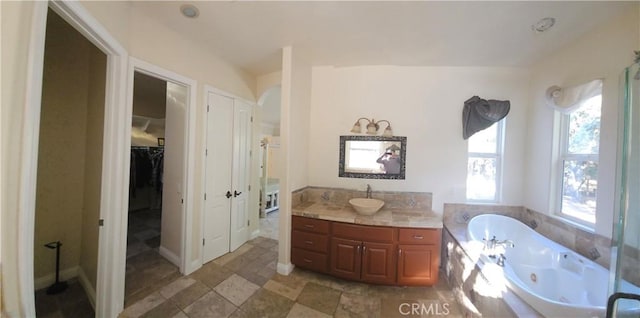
(173, 258)
(47, 280)
(255, 234)
(192, 267)
(88, 289)
(285, 269)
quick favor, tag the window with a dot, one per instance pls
(578, 161)
(484, 164)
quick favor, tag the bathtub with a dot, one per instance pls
(553, 279)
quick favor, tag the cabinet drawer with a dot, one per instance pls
(310, 225)
(309, 260)
(364, 233)
(419, 236)
(310, 241)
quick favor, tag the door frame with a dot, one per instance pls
(203, 156)
(111, 246)
(188, 173)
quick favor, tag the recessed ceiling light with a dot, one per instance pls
(189, 11)
(543, 25)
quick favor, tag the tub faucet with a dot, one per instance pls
(368, 191)
(490, 244)
(505, 243)
(500, 261)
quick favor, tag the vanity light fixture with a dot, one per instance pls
(372, 127)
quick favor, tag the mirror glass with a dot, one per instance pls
(372, 157)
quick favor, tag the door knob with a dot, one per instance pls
(236, 193)
(228, 195)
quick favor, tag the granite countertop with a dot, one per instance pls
(385, 217)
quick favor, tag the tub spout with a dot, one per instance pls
(505, 243)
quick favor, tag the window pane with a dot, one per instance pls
(584, 127)
(579, 188)
(481, 179)
(484, 141)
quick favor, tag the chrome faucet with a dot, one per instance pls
(368, 191)
(490, 245)
(505, 243)
(500, 260)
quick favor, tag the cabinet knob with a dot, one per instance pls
(418, 237)
(308, 242)
(306, 260)
(309, 226)
(399, 252)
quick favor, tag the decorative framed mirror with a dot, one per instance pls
(372, 157)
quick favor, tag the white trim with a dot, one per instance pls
(170, 256)
(255, 233)
(46, 280)
(136, 65)
(29, 168)
(86, 285)
(112, 248)
(285, 269)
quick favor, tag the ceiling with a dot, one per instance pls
(251, 34)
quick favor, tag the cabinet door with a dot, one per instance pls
(417, 264)
(345, 258)
(378, 263)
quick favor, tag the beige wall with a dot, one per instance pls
(93, 166)
(601, 53)
(425, 105)
(149, 96)
(70, 152)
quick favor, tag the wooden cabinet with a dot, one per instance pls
(310, 243)
(373, 254)
(418, 256)
(363, 253)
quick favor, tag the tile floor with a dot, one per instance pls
(245, 284)
(269, 225)
(72, 303)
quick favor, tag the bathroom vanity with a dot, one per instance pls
(392, 247)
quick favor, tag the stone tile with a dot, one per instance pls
(236, 289)
(265, 303)
(211, 274)
(55, 314)
(45, 304)
(176, 287)
(298, 311)
(166, 309)
(144, 305)
(190, 294)
(321, 298)
(210, 305)
(354, 305)
(283, 290)
(81, 309)
(148, 287)
(180, 314)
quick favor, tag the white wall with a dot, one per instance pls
(601, 53)
(425, 105)
(294, 132)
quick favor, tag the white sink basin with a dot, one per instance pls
(366, 206)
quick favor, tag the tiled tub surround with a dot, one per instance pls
(401, 209)
(463, 272)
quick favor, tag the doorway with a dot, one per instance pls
(69, 174)
(269, 167)
(157, 240)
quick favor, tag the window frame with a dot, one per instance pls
(565, 155)
(498, 155)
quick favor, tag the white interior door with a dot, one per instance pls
(241, 174)
(173, 170)
(218, 190)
